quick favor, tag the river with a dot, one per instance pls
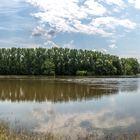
(71, 106)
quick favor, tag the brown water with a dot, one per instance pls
(71, 106)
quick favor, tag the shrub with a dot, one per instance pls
(81, 73)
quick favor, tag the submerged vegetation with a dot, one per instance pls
(63, 61)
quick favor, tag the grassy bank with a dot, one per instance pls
(6, 134)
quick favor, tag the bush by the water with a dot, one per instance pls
(81, 73)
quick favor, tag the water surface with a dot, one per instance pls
(76, 105)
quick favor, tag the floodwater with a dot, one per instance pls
(71, 106)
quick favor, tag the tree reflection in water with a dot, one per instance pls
(60, 91)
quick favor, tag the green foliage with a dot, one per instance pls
(63, 61)
(48, 68)
(81, 73)
(130, 66)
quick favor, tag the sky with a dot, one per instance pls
(110, 26)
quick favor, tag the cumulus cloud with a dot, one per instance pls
(67, 16)
(119, 3)
(103, 50)
(94, 8)
(42, 31)
(50, 33)
(38, 31)
(50, 44)
(136, 3)
(90, 17)
(112, 46)
(112, 22)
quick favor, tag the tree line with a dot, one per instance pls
(63, 61)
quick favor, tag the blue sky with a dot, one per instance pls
(111, 26)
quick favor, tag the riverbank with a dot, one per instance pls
(7, 134)
(65, 77)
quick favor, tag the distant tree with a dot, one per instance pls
(81, 73)
(64, 61)
(130, 66)
(48, 68)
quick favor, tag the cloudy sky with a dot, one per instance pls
(111, 26)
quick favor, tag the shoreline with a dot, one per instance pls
(8, 134)
(65, 76)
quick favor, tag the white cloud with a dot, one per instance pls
(112, 41)
(112, 46)
(90, 17)
(92, 7)
(136, 3)
(116, 10)
(50, 44)
(50, 34)
(119, 3)
(103, 50)
(112, 22)
(67, 15)
(89, 29)
(38, 31)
